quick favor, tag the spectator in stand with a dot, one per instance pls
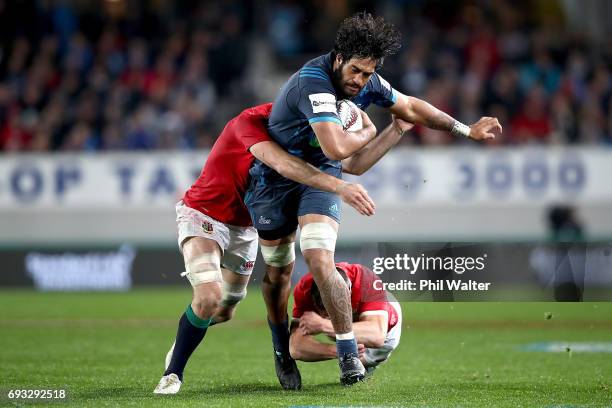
(533, 123)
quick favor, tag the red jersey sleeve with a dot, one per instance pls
(251, 125)
(302, 298)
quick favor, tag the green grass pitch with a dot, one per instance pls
(107, 349)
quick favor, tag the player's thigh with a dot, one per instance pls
(192, 223)
(194, 247)
(237, 265)
(303, 220)
(274, 213)
(273, 209)
(313, 201)
(202, 258)
(241, 251)
(233, 278)
(277, 237)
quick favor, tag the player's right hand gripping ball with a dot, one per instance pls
(349, 115)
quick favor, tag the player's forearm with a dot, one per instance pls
(337, 144)
(346, 146)
(298, 170)
(416, 111)
(371, 153)
(307, 348)
(369, 334)
(359, 139)
(367, 133)
(419, 112)
(294, 168)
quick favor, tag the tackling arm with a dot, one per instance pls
(419, 112)
(296, 169)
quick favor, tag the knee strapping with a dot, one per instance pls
(280, 255)
(318, 235)
(233, 293)
(204, 268)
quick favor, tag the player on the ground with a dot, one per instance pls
(215, 235)
(377, 318)
(304, 121)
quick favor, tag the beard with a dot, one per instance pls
(339, 84)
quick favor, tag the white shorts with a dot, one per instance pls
(238, 244)
(376, 356)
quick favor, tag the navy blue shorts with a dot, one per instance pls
(275, 208)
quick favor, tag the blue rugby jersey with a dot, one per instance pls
(308, 97)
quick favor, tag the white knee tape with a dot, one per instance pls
(318, 235)
(280, 255)
(203, 269)
(233, 293)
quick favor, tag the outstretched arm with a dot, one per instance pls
(369, 155)
(419, 112)
(296, 169)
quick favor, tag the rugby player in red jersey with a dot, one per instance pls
(215, 235)
(377, 318)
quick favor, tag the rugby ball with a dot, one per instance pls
(349, 115)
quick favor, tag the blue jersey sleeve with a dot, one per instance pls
(382, 93)
(317, 98)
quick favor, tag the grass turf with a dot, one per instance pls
(107, 349)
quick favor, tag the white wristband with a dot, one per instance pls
(459, 129)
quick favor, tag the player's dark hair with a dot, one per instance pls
(316, 294)
(364, 36)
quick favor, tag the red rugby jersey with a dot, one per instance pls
(364, 297)
(219, 191)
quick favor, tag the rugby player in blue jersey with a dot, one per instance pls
(304, 121)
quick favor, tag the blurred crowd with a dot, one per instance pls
(544, 84)
(164, 76)
(81, 81)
